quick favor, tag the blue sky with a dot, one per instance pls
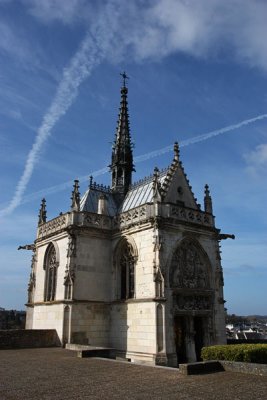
(195, 67)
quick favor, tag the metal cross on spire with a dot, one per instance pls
(124, 77)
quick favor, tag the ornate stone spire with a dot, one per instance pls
(75, 197)
(42, 213)
(207, 200)
(176, 151)
(122, 157)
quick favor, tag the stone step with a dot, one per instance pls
(91, 351)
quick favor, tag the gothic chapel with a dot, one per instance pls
(135, 267)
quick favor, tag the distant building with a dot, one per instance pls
(255, 332)
(135, 267)
(12, 319)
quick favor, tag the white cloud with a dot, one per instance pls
(155, 29)
(257, 160)
(203, 29)
(259, 155)
(171, 26)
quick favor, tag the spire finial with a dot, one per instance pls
(122, 157)
(75, 197)
(176, 151)
(42, 213)
(91, 181)
(207, 200)
(124, 77)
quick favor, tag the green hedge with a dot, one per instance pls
(253, 353)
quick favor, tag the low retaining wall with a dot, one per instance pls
(205, 367)
(247, 368)
(202, 367)
(28, 338)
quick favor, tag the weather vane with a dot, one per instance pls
(124, 77)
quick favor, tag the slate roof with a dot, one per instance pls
(89, 201)
(139, 193)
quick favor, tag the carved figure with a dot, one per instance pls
(71, 246)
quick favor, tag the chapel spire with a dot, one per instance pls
(122, 156)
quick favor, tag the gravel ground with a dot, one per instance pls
(56, 373)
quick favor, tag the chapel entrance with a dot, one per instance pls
(189, 278)
(189, 337)
(179, 337)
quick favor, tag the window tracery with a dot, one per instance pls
(126, 263)
(50, 267)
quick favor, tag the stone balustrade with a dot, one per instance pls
(136, 216)
(53, 226)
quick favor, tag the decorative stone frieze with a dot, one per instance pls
(137, 216)
(53, 226)
(192, 302)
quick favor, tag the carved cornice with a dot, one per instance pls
(53, 226)
(167, 214)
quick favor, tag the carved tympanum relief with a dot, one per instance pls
(190, 273)
(188, 268)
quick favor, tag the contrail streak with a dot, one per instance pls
(90, 53)
(199, 138)
(144, 157)
(80, 67)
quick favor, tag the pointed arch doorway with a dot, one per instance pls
(192, 300)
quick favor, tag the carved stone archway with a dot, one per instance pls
(192, 299)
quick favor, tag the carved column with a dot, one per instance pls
(70, 267)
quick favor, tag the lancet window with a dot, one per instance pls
(50, 267)
(126, 263)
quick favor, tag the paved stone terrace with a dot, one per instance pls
(55, 373)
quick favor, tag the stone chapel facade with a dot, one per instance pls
(135, 267)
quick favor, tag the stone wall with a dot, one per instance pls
(49, 316)
(245, 367)
(28, 338)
